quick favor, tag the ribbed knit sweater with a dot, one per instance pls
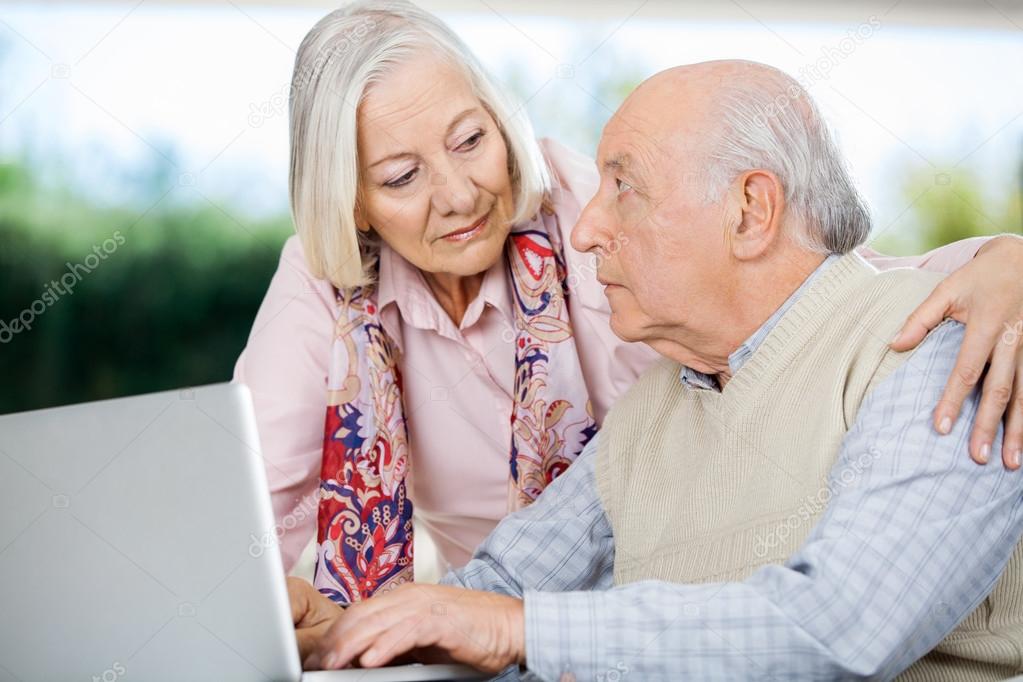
(694, 481)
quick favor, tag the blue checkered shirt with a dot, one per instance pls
(899, 557)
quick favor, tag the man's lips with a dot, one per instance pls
(464, 233)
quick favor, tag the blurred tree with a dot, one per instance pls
(572, 103)
(946, 206)
(160, 299)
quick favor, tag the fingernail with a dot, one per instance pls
(945, 426)
(1015, 457)
(985, 453)
(896, 339)
(330, 661)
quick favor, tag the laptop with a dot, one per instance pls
(127, 547)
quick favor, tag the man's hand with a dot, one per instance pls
(436, 623)
(311, 612)
(987, 296)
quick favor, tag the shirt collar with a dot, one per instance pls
(693, 379)
(402, 288)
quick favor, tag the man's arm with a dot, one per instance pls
(561, 542)
(914, 537)
(984, 292)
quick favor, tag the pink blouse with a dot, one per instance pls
(457, 378)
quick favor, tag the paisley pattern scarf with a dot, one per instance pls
(364, 524)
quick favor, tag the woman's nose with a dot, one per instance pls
(454, 192)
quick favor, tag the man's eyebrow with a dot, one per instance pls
(624, 164)
(617, 162)
(454, 122)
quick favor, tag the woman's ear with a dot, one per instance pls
(361, 224)
(761, 205)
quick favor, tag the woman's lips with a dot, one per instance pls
(468, 232)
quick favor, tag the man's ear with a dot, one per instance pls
(761, 204)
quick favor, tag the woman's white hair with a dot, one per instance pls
(770, 122)
(344, 54)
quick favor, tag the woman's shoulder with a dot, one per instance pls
(572, 173)
(574, 183)
(293, 269)
(294, 291)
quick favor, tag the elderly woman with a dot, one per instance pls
(431, 308)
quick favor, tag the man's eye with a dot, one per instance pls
(622, 185)
(403, 180)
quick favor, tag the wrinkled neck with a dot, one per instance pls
(454, 293)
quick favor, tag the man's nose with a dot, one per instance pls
(453, 191)
(586, 233)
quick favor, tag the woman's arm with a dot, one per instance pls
(985, 292)
(284, 364)
(947, 258)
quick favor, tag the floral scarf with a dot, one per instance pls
(364, 525)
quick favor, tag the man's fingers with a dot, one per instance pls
(398, 639)
(354, 632)
(969, 367)
(926, 317)
(1012, 441)
(993, 400)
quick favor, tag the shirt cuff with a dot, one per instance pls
(564, 636)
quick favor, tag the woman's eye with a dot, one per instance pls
(471, 141)
(622, 185)
(403, 180)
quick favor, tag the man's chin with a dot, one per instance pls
(623, 330)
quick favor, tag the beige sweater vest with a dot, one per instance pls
(701, 486)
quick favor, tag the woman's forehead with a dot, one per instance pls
(423, 86)
(404, 112)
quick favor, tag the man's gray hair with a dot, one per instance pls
(775, 126)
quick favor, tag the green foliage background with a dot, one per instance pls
(943, 207)
(170, 307)
(174, 304)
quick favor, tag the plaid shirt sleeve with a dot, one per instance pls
(561, 542)
(914, 537)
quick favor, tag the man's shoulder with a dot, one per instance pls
(915, 279)
(927, 366)
(911, 281)
(881, 301)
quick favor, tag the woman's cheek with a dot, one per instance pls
(498, 178)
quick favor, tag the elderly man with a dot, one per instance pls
(770, 501)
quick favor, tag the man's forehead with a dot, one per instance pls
(635, 143)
